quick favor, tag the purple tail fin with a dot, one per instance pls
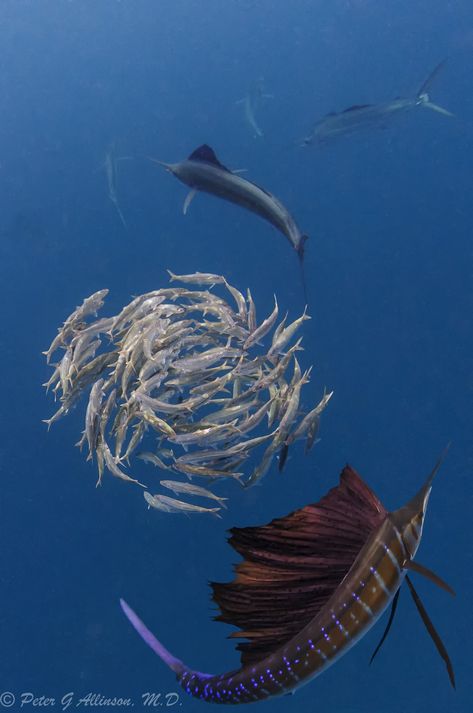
(174, 664)
(196, 684)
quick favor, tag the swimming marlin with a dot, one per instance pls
(110, 166)
(360, 116)
(202, 171)
(251, 104)
(310, 586)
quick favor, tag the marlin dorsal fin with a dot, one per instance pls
(206, 154)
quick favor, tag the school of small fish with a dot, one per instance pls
(184, 375)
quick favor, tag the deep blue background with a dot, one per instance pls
(390, 274)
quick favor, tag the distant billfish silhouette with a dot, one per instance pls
(202, 171)
(310, 586)
(110, 165)
(251, 104)
(361, 116)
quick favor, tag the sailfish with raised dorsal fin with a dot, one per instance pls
(310, 586)
(202, 171)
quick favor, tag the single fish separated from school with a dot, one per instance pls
(182, 374)
(202, 171)
(310, 586)
(361, 116)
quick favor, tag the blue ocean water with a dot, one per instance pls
(389, 269)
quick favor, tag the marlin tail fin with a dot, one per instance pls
(427, 84)
(300, 252)
(423, 93)
(435, 107)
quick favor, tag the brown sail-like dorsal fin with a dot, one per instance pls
(292, 566)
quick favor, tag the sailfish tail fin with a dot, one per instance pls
(195, 683)
(301, 246)
(300, 252)
(174, 664)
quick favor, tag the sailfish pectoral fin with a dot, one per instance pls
(439, 645)
(425, 572)
(388, 625)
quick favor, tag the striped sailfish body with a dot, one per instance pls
(309, 587)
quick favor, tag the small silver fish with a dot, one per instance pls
(154, 459)
(197, 278)
(166, 504)
(179, 488)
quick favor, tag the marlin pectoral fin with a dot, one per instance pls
(388, 625)
(188, 200)
(425, 572)
(438, 109)
(439, 645)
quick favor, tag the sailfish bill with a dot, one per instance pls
(310, 586)
(202, 171)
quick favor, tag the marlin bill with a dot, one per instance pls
(310, 586)
(361, 116)
(202, 171)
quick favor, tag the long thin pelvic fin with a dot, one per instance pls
(147, 636)
(388, 625)
(439, 645)
(425, 572)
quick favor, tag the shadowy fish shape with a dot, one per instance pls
(310, 585)
(360, 116)
(110, 165)
(251, 104)
(202, 171)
